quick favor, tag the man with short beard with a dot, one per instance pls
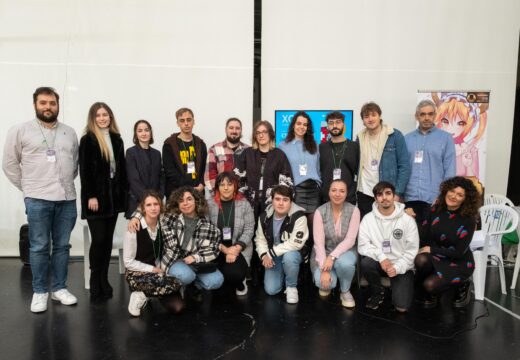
(221, 156)
(339, 158)
(41, 159)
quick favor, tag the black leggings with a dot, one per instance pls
(235, 272)
(426, 278)
(102, 234)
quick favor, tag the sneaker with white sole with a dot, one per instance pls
(291, 295)
(39, 302)
(137, 302)
(347, 300)
(324, 293)
(243, 291)
(64, 296)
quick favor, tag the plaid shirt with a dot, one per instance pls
(220, 158)
(206, 240)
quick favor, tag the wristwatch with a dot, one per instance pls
(333, 258)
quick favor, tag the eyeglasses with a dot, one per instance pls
(335, 122)
(261, 132)
(430, 114)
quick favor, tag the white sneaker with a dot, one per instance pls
(291, 295)
(64, 296)
(347, 300)
(39, 302)
(137, 302)
(324, 292)
(242, 292)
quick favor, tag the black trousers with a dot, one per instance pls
(401, 285)
(421, 210)
(364, 203)
(102, 235)
(235, 272)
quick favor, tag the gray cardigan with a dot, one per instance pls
(244, 224)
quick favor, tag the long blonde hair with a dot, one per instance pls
(94, 129)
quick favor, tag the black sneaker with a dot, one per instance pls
(462, 295)
(375, 300)
(427, 301)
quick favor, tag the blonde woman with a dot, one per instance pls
(103, 191)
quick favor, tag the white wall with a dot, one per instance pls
(144, 59)
(340, 54)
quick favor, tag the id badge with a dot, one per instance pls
(51, 155)
(336, 174)
(191, 167)
(226, 233)
(418, 156)
(387, 248)
(261, 184)
(303, 169)
(374, 165)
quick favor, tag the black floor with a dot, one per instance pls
(257, 327)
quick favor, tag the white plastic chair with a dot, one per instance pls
(517, 262)
(497, 199)
(495, 220)
(119, 234)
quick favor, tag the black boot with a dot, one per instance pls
(95, 285)
(462, 295)
(106, 289)
(427, 300)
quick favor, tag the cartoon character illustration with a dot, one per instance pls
(466, 122)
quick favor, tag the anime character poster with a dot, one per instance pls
(464, 114)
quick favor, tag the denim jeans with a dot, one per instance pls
(185, 274)
(343, 269)
(286, 267)
(49, 221)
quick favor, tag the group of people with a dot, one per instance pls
(388, 201)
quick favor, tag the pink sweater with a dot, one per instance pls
(345, 245)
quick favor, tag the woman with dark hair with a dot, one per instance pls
(302, 153)
(103, 191)
(444, 259)
(261, 167)
(234, 217)
(143, 166)
(191, 242)
(142, 251)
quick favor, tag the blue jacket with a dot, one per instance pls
(395, 162)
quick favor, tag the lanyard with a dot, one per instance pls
(378, 145)
(221, 212)
(45, 139)
(380, 227)
(340, 156)
(188, 150)
(156, 244)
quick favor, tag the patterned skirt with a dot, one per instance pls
(152, 284)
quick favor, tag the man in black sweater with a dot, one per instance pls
(339, 158)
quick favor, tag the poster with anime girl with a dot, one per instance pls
(464, 115)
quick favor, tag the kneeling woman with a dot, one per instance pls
(191, 242)
(142, 255)
(333, 259)
(444, 258)
(233, 215)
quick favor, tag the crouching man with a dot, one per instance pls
(280, 238)
(388, 240)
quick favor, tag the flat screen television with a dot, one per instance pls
(283, 120)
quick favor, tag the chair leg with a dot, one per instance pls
(479, 275)
(86, 261)
(517, 268)
(502, 277)
(121, 262)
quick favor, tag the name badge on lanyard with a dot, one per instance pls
(374, 165)
(226, 233)
(191, 167)
(387, 248)
(261, 184)
(51, 155)
(303, 169)
(336, 174)
(419, 155)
